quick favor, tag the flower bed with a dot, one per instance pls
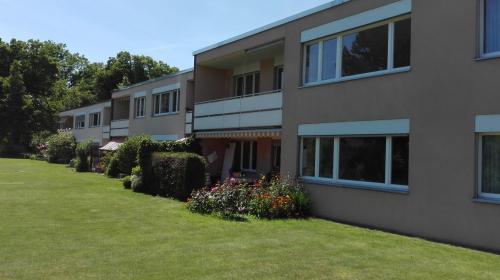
(282, 197)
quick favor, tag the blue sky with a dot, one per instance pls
(165, 30)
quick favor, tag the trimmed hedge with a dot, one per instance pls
(127, 184)
(113, 168)
(146, 149)
(176, 175)
(127, 153)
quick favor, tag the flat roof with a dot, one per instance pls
(155, 79)
(103, 101)
(273, 25)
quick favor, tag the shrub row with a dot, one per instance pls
(83, 152)
(277, 199)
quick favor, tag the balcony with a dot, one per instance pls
(105, 132)
(119, 128)
(256, 110)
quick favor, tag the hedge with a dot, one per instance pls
(83, 152)
(61, 148)
(176, 175)
(127, 153)
(146, 149)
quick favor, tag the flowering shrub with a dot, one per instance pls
(277, 199)
(60, 148)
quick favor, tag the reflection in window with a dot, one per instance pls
(312, 55)
(326, 157)
(365, 51)
(329, 59)
(400, 155)
(490, 177)
(402, 42)
(491, 26)
(362, 159)
(308, 157)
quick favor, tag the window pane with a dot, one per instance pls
(490, 181)
(329, 59)
(257, 83)
(175, 101)
(249, 84)
(237, 157)
(165, 102)
(362, 159)
(143, 107)
(239, 86)
(137, 107)
(402, 42)
(312, 55)
(254, 155)
(157, 103)
(400, 155)
(326, 157)
(309, 157)
(365, 51)
(246, 155)
(279, 76)
(491, 26)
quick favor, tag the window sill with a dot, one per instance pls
(486, 200)
(356, 77)
(355, 186)
(166, 114)
(141, 117)
(80, 128)
(486, 57)
(95, 126)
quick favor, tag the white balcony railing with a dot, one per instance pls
(261, 109)
(119, 128)
(105, 132)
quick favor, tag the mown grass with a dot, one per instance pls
(57, 224)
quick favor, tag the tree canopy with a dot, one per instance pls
(39, 79)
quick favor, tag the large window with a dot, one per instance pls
(489, 28)
(489, 165)
(379, 161)
(245, 156)
(166, 103)
(377, 48)
(140, 107)
(247, 84)
(95, 119)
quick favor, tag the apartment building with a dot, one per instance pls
(160, 107)
(386, 109)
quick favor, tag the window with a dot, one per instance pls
(80, 121)
(95, 119)
(247, 84)
(489, 44)
(489, 165)
(378, 161)
(140, 107)
(375, 49)
(166, 103)
(279, 78)
(245, 156)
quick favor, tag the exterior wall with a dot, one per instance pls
(172, 124)
(210, 83)
(267, 75)
(217, 145)
(441, 95)
(81, 134)
(264, 152)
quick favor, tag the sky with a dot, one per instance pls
(165, 30)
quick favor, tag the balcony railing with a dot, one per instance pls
(66, 131)
(119, 127)
(106, 131)
(256, 110)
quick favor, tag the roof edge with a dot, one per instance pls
(155, 79)
(273, 25)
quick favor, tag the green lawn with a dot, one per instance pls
(57, 224)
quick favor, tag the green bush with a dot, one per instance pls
(277, 199)
(136, 183)
(127, 153)
(106, 159)
(176, 175)
(126, 182)
(83, 152)
(147, 147)
(39, 139)
(60, 148)
(113, 168)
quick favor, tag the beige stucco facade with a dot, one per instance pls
(441, 94)
(163, 127)
(97, 132)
